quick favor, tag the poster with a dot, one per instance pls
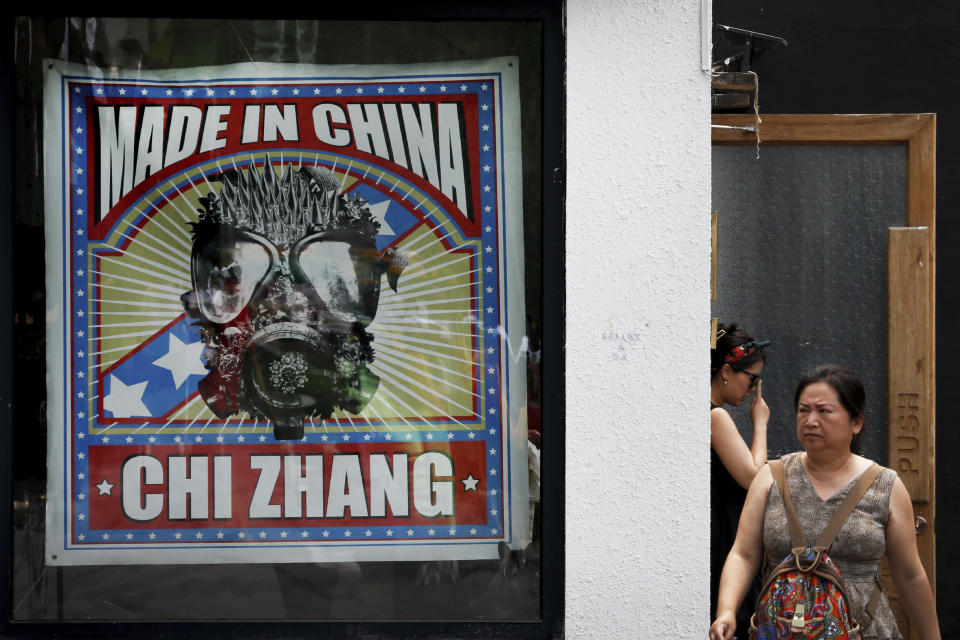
(285, 313)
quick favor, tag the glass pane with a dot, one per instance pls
(425, 370)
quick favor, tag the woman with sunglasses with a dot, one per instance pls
(735, 366)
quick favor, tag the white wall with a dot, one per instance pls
(638, 254)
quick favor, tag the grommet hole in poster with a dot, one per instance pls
(280, 356)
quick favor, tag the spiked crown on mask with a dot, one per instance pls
(285, 208)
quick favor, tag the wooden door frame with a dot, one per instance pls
(912, 352)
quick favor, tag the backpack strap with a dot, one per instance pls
(870, 609)
(796, 529)
(848, 505)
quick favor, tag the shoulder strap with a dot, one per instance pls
(796, 529)
(848, 505)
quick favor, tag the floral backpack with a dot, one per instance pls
(804, 596)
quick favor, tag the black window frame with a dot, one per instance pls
(550, 14)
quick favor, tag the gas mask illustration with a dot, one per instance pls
(286, 278)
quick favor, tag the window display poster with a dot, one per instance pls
(285, 313)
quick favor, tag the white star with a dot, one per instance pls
(220, 535)
(143, 92)
(152, 536)
(81, 516)
(79, 150)
(346, 437)
(263, 534)
(129, 439)
(253, 92)
(232, 92)
(487, 209)
(81, 476)
(368, 533)
(316, 91)
(485, 127)
(199, 438)
(359, 90)
(493, 512)
(241, 535)
(493, 492)
(430, 532)
(81, 496)
(471, 435)
(129, 536)
(452, 532)
(449, 436)
(379, 213)
(240, 438)
(324, 437)
(484, 87)
(274, 91)
(366, 436)
(389, 533)
(347, 534)
(484, 106)
(178, 535)
(486, 147)
(338, 91)
(177, 439)
(409, 532)
(263, 438)
(99, 91)
(486, 188)
(379, 89)
(470, 483)
(182, 360)
(443, 87)
(493, 452)
(189, 92)
(493, 471)
(422, 89)
(473, 532)
(401, 90)
(106, 536)
(388, 437)
(209, 92)
(125, 401)
(169, 92)
(409, 436)
(283, 534)
(463, 87)
(296, 92)
(490, 371)
(493, 532)
(429, 436)
(152, 439)
(489, 269)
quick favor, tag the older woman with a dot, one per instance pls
(829, 403)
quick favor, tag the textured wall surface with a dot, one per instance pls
(637, 377)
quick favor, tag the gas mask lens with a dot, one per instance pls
(344, 277)
(226, 271)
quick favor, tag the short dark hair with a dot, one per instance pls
(731, 338)
(850, 392)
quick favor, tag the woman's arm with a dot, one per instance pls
(905, 566)
(744, 558)
(743, 463)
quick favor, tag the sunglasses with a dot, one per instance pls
(754, 378)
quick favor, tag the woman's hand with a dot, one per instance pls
(759, 411)
(723, 627)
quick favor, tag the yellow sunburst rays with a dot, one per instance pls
(140, 286)
(424, 336)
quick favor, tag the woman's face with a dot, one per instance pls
(741, 382)
(823, 424)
